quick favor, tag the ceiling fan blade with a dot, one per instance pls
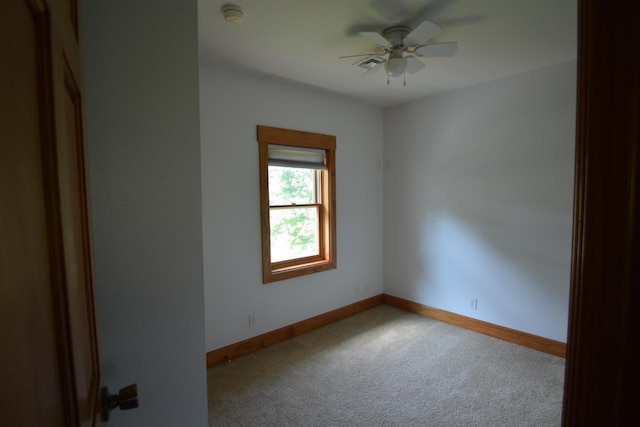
(422, 33)
(413, 64)
(376, 38)
(361, 54)
(355, 30)
(437, 49)
(374, 69)
(394, 11)
(461, 20)
(434, 9)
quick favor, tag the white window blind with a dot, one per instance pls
(296, 157)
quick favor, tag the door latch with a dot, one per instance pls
(127, 398)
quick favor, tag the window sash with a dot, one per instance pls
(316, 192)
(318, 235)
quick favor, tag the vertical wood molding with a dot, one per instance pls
(602, 372)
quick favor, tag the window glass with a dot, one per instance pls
(291, 186)
(294, 233)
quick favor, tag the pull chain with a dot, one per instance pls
(387, 79)
(405, 78)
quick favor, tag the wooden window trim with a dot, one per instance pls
(326, 260)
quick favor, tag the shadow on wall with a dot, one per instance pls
(493, 218)
(459, 262)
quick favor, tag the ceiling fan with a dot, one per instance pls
(401, 47)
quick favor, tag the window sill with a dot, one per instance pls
(298, 270)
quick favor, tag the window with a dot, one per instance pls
(297, 200)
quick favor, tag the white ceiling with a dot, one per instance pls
(301, 40)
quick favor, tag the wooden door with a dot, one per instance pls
(602, 371)
(49, 359)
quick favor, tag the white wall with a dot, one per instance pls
(142, 128)
(478, 200)
(232, 103)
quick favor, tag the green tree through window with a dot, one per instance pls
(294, 220)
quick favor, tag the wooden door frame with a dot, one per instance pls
(602, 370)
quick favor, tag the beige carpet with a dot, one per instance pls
(387, 367)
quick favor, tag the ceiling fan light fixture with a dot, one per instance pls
(233, 14)
(395, 67)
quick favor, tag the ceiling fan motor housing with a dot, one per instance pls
(396, 35)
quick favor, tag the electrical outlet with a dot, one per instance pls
(252, 320)
(473, 303)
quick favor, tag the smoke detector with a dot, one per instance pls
(233, 14)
